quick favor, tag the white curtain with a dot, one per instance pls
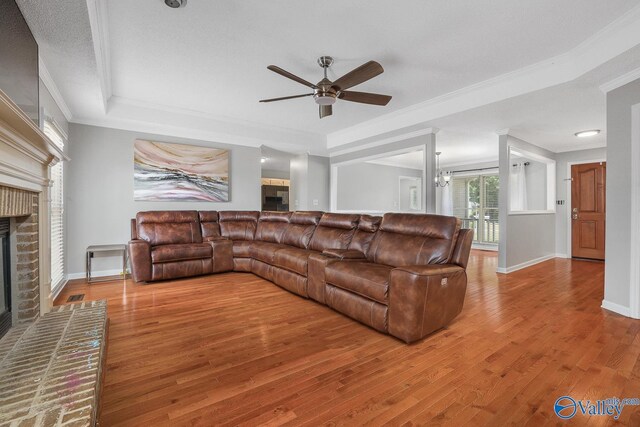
(446, 200)
(518, 187)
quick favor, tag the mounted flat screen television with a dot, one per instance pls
(18, 60)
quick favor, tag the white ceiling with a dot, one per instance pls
(199, 71)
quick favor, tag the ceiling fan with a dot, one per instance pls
(326, 92)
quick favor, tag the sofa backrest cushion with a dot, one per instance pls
(209, 224)
(367, 227)
(300, 229)
(168, 227)
(334, 231)
(238, 225)
(271, 226)
(409, 239)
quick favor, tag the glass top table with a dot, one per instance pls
(120, 250)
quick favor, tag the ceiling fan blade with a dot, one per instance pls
(293, 77)
(359, 75)
(325, 110)
(365, 97)
(286, 97)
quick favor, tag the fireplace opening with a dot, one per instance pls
(5, 277)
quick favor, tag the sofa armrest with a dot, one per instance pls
(463, 248)
(424, 298)
(344, 254)
(222, 254)
(140, 257)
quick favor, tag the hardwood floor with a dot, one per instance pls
(234, 349)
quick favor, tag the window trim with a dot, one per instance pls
(56, 203)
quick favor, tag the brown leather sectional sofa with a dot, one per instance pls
(401, 274)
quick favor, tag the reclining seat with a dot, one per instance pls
(406, 286)
(268, 239)
(289, 266)
(334, 231)
(354, 250)
(240, 227)
(168, 245)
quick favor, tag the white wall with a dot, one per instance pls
(51, 108)
(100, 189)
(563, 192)
(309, 183)
(617, 286)
(318, 183)
(371, 187)
(274, 174)
(299, 182)
(536, 180)
(524, 238)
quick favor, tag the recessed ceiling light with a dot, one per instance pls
(262, 160)
(586, 133)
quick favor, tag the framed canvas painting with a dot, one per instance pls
(166, 171)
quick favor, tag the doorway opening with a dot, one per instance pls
(275, 182)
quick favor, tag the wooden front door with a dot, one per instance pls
(588, 210)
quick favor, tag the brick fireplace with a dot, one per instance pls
(20, 266)
(26, 156)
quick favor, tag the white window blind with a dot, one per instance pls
(57, 209)
(475, 202)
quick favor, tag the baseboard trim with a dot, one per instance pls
(525, 264)
(103, 273)
(56, 292)
(562, 256)
(484, 247)
(616, 308)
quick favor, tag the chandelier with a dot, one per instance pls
(442, 178)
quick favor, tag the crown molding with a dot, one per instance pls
(98, 21)
(186, 112)
(611, 41)
(137, 116)
(51, 86)
(620, 81)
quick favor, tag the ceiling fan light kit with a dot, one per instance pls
(175, 4)
(326, 93)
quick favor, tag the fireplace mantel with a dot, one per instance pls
(26, 156)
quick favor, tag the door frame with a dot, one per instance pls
(568, 198)
(634, 253)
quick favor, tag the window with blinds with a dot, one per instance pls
(57, 209)
(475, 202)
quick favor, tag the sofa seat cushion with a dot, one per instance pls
(265, 251)
(241, 248)
(363, 278)
(293, 259)
(171, 253)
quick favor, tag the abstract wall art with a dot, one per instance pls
(167, 171)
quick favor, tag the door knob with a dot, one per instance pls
(574, 216)
(574, 210)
